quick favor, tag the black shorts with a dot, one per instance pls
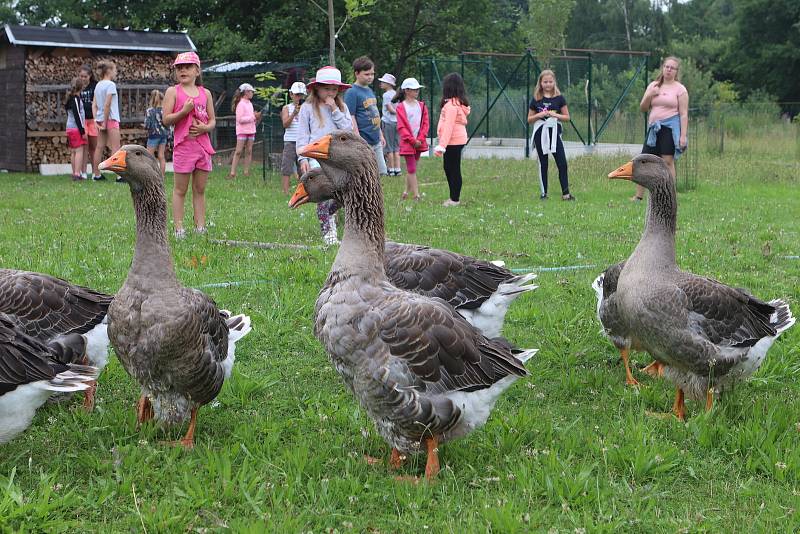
(665, 144)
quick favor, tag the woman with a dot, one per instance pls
(667, 102)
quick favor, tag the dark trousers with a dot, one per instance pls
(452, 169)
(561, 162)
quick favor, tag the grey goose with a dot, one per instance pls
(31, 371)
(46, 307)
(422, 373)
(172, 340)
(481, 291)
(706, 335)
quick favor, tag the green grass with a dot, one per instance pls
(569, 449)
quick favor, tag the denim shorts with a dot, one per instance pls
(155, 141)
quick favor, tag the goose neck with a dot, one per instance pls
(152, 258)
(362, 248)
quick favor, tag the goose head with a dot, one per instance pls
(647, 170)
(135, 165)
(345, 158)
(315, 186)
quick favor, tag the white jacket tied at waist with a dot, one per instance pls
(549, 140)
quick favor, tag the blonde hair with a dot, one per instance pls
(660, 78)
(156, 97)
(75, 88)
(538, 93)
(237, 97)
(315, 102)
(104, 66)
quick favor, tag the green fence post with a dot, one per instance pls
(527, 100)
(486, 68)
(589, 105)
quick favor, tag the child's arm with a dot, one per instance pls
(212, 115)
(403, 127)
(562, 115)
(287, 119)
(425, 123)
(169, 104)
(342, 119)
(72, 108)
(94, 106)
(651, 91)
(444, 130)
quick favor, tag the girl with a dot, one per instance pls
(191, 109)
(246, 121)
(157, 133)
(76, 131)
(546, 109)
(452, 132)
(389, 124)
(412, 127)
(86, 76)
(290, 117)
(322, 113)
(667, 102)
(105, 108)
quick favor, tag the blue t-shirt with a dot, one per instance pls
(363, 106)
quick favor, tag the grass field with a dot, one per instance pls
(568, 450)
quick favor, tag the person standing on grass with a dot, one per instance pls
(157, 133)
(86, 76)
(76, 131)
(363, 106)
(546, 109)
(389, 125)
(452, 132)
(323, 112)
(412, 127)
(246, 121)
(667, 101)
(105, 109)
(190, 108)
(290, 118)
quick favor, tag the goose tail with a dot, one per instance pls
(782, 319)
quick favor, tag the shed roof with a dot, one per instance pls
(155, 41)
(249, 67)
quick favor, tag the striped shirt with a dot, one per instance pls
(290, 133)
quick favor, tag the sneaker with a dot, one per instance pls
(83, 176)
(449, 202)
(201, 230)
(98, 178)
(330, 237)
(180, 234)
(543, 196)
(120, 180)
(76, 177)
(568, 196)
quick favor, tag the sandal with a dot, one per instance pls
(404, 196)
(230, 177)
(568, 196)
(634, 198)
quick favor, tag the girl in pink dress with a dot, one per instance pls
(190, 108)
(412, 127)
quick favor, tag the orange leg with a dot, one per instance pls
(432, 467)
(188, 440)
(709, 399)
(629, 380)
(655, 369)
(144, 410)
(679, 408)
(371, 460)
(88, 396)
(397, 459)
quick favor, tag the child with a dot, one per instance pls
(322, 113)
(452, 132)
(157, 133)
(363, 107)
(105, 108)
(389, 124)
(86, 76)
(412, 127)
(190, 108)
(290, 119)
(246, 121)
(76, 131)
(548, 107)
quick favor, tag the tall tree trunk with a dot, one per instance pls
(332, 34)
(405, 47)
(627, 30)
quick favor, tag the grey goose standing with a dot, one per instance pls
(31, 371)
(481, 291)
(419, 369)
(46, 307)
(706, 335)
(171, 339)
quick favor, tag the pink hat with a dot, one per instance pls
(328, 76)
(187, 58)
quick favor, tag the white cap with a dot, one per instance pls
(245, 87)
(411, 83)
(298, 88)
(388, 78)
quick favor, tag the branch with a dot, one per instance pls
(343, 23)
(319, 7)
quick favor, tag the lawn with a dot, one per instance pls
(569, 449)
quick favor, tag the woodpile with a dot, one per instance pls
(61, 65)
(53, 148)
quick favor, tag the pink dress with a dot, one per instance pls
(191, 153)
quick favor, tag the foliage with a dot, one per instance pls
(544, 26)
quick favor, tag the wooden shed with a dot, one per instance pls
(36, 66)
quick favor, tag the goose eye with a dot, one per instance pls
(343, 138)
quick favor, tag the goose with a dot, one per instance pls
(171, 339)
(422, 373)
(480, 291)
(32, 371)
(706, 335)
(46, 307)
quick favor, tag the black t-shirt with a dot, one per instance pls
(554, 103)
(86, 97)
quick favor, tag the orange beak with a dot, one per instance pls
(115, 163)
(299, 198)
(318, 149)
(623, 173)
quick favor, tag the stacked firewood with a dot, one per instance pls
(61, 66)
(54, 149)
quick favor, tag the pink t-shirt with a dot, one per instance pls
(665, 104)
(200, 112)
(245, 118)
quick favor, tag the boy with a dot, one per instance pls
(363, 105)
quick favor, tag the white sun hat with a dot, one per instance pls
(298, 88)
(410, 83)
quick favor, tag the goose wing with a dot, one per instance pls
(46, 306)
(22, 357)
(441, 348)
(462, 281)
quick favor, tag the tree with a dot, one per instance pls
(544, 26)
